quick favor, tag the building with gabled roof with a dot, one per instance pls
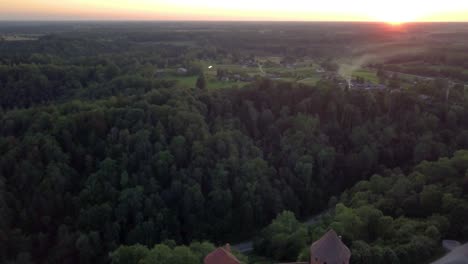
(329, 250)
(221, 255)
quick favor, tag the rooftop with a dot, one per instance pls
(221, 255)
(330, 249)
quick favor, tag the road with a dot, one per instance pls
(244, 247)
(457, 256)
(247, 246)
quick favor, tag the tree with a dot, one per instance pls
(431, 199)
(382, 75)
(129, 254)
(283, 239)
(201, 82)
(160, 254)
(183, 255)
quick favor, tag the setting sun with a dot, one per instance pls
(395, 17)
(397, 11)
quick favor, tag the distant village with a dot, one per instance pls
(356, 83)
(249, 70)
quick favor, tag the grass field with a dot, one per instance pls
(367, 75)
(303, 72)
(310, 80)
(212, 83)
(274, 59)
(306, 67)
(184, 81)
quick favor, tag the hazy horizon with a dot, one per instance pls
(242, 10)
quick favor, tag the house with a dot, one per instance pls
(182, 71)
(159, 73)
(366, 86)
(329, 250)
(221, 255)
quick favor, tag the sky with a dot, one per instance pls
(268, 10)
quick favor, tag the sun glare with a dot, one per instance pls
(397, 12)
(394, 12)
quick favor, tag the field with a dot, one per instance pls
(212, 83)
(368, 75)
(310, 80)
(304, 72)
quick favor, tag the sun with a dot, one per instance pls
(397, 18)
(396, 12)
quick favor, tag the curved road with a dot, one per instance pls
(459, 255)
(247, 246)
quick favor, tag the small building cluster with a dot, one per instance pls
(327, 250)
(227, 76)
(182, 71)
(246, 63)
(366, 86)
(355, 84)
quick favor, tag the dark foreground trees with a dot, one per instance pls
(167, 253)
(80, 178)
(390, 218)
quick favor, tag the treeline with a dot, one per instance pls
(438, 62)
(390, 218)
(26, 85)
(457, 74)
(166, 253)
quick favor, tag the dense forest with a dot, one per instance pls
(96, 152)
(390, 218)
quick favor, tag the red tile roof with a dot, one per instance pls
(330, 249)
(221, 256)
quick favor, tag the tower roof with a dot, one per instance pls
(330, 249)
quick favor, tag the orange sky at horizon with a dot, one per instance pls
(290, 10)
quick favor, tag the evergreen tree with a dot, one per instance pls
(201, 82)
